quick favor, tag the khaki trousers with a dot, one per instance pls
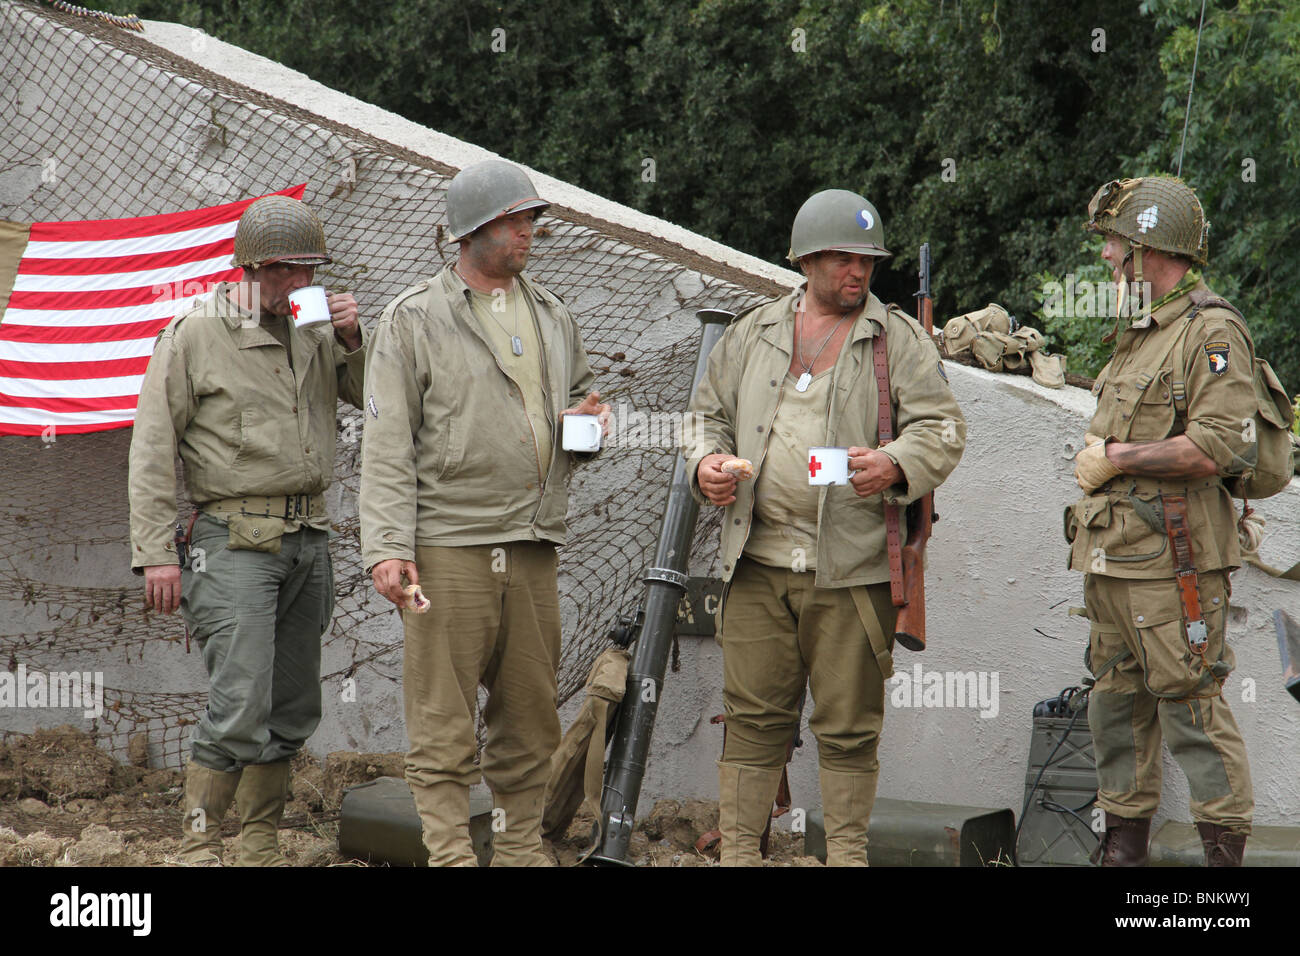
(495, 622)
(780, 632)
(1160, 689)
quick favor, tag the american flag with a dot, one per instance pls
(87, 303)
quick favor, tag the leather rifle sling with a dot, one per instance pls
(1180, 540)
(884, 435)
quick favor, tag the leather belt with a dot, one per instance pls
(1180, 541)
(884, 435)
(289, 507)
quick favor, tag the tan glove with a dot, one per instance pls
(1092, 468)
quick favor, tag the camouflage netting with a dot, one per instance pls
(132, 130)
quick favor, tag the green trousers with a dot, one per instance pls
(779, 633)
(495, 622)
(1157, 688)
(258, 619)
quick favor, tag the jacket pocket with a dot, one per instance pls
(1092, 512)
(1153, 412)
(258, 438)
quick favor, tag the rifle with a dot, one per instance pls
(910, 628)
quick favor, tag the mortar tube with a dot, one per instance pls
(665, 585)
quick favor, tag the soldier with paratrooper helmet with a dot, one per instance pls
(1156, 533)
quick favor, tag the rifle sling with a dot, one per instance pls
(1180, 542)
(884, 435)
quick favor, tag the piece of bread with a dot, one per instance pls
(415, 599)
(742, 468)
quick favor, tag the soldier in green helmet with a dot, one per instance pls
(464, 494)
(1155, 534)
(249, 402)
(807, 600)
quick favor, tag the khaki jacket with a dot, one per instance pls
(735, 404)
(1119, 530)
(219, 391)
(448, 455)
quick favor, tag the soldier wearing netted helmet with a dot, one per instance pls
(249, 403)
(463, 495)
(1155, 534)
(808, 595)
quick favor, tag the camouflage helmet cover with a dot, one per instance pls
(840, 221)
(279, 229)
(1155, 212)
(486, 191)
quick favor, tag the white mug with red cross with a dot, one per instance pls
(309, 306)
(828, 466)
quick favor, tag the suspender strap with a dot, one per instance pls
(884, 435)
(1180, 541)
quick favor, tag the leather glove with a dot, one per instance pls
(1092, 468)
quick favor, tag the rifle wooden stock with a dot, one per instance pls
(909, 630)
(910, 627)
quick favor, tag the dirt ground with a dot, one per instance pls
(65, 802)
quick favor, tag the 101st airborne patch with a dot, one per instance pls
(1216, 353)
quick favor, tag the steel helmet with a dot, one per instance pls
(279, 229)
(1156, 212)
(838, 220)
(486, 191)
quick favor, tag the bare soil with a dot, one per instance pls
(65, 802)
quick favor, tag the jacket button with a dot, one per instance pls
(1141, 618)
(726, 567)
(257, 532)
(294, 409)
(759, 429)
(737, 521)
(774, 383)
(529, 486)
(277, 370)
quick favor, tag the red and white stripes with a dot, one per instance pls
(88, 302)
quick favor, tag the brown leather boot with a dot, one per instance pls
(1223, 847)
(1125, 842)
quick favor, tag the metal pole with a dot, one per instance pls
(665, 585)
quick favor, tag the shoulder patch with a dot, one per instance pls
(1216, 353)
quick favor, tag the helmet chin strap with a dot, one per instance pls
(1134, 254)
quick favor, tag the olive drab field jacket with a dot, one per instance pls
(220, 392)
(736, 401)
(1119, 530)
(448, 455)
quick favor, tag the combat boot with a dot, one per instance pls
(444, 822)
(1124, 843)
(847, 799)
(208, 795)
(261, 798)
(519, 842)
(745, 797)
(1223, 847)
